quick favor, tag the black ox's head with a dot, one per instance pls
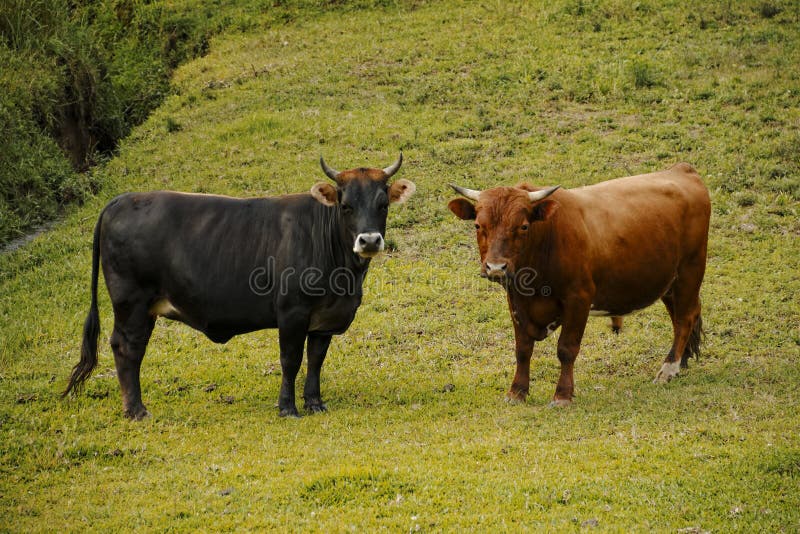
(363, 197)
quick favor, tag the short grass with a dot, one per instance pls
(417, 436)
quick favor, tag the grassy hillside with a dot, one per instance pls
(417, 436)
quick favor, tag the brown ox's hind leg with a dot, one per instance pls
(683, 304)
(132, 328)
(669, 303)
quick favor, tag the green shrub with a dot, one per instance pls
(76, 77)
(644, 74)
(34, 174)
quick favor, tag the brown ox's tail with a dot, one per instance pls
(91, 328)
(693, 344)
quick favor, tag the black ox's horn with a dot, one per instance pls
(333, 174)
(391, 169)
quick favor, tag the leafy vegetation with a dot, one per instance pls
(78, 75)
(417, 437)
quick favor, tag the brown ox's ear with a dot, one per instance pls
(543, 210)
(325, 193)
(401, 190)
(462, 208)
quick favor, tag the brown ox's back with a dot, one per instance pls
(634, 232)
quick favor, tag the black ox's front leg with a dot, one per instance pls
(292, 330)
(317, 349)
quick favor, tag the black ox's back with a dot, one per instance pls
(220, 264)
(227, 266)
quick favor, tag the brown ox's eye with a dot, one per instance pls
(477, 226)
(524, 226)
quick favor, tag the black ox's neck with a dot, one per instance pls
(337, 245)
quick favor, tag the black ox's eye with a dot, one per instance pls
(347, 209)
(383, 208)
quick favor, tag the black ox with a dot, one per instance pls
(226, 266)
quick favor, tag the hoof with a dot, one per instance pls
(137, 414)
(316, 407)
(516, 397)
(559, 403)
(668, 371)
(290, 412)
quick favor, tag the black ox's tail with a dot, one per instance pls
(693, 344)
(91, 328)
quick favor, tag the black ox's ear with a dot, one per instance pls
(400, 190)
(325, 193)
(462, 208)
(543, 210)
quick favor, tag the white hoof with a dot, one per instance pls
(559, 403)
(514, 400)
(668, 371)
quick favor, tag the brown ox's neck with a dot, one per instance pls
(542, 241)
(555, 248)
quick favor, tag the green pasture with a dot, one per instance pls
(417, 436)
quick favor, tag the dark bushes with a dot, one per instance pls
(77, 76)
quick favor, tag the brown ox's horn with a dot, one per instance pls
(391, 169)
(536, 196)
(333, 174)
(464, 192)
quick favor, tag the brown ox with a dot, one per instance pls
(607, 249)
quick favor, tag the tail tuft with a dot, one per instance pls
(83, 369)
(616, 324)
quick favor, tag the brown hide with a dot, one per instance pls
(606, 249)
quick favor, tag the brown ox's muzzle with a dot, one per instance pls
(496, 270)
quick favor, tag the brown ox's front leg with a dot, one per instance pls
(576, 312)
(522, 377)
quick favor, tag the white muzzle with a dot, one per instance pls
(368, 244)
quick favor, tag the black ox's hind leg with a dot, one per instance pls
(317, 349)
(132, 329)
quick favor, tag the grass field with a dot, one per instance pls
(417, 436)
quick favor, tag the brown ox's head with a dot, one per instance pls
(361, 198)
(503, 218)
